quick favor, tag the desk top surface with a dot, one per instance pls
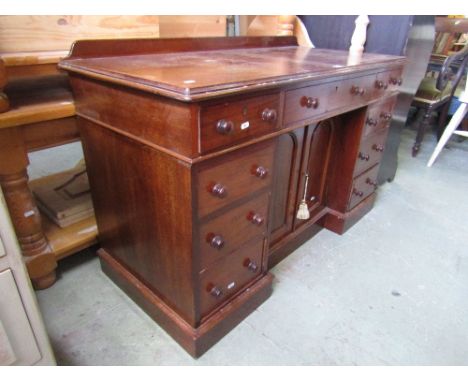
(208, 71)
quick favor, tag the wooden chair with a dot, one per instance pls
(432, 98)
(461, 112)
(429, 97)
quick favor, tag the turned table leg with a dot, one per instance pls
(39, 258)
(4, 103)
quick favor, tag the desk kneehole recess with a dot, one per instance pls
(196, 184)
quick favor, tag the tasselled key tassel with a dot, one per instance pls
(303, 211)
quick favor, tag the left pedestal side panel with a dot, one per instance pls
(143, 203)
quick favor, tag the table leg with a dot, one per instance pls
(38, 255)
(4, 103)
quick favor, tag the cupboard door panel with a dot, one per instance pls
(287, 167)
(315, 163)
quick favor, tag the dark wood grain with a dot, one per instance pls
(170, 124)
(345, 148)
(235, 227)
(370, 151)
(189, 75)
(285, 187)
(316, 162)
(378, 117)
(130, 47)
(244, 164)
(334, 96)
(196, 341)
(229, 275)
(246, 118)
(143, 236)
(363, 185)
(340, 222)
(192, 209)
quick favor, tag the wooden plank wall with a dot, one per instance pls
(57, 33)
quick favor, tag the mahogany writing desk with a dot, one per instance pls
(198, 152)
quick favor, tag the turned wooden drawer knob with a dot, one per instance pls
(255, 218)
(381, 85)
(356, 90)
(358, 193)
(224, 126)
(216, 291)
(260, 172)
(310, 102)
(371, 122)
(216, 241)
(363, 156)
(378, 148)
(386, 116)
(219, 190)
(269, 115)
(371, 182)
(396, 81)
(251, 265)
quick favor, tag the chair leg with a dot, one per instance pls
(412, 115)
(451, 127)
(442, 120)
(421, 131)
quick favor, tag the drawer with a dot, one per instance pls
(233, 121)
(234, 176)
(370, 151)
(360, 90)
(391, 80)
(227, 276)
(224, 234)
(379, 116)
(308, 102)
(312, 101)
(363, 186)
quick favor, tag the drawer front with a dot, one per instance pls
(234, 176)
(312, 101)
(227, 276)
(370, 151)
(224, 234)
(360, 90)
(308, 102)
(390, 80)
(379, 116)
(230, 122)
(363, 186)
